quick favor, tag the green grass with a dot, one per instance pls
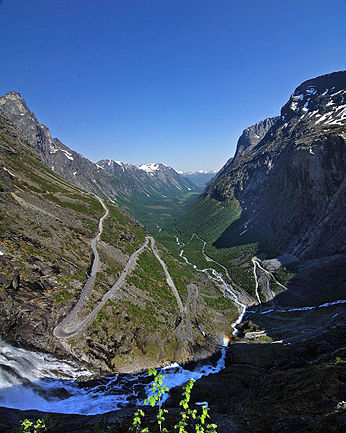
(118, 230)
(283, 275)
(62, 296)
(209, 218)
(212, 220)
(158, 210)
(220, 304)
(149, 277)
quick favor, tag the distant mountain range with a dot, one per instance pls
(200, 177)
(135, 188)
(152, 180)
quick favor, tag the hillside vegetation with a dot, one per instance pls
(46, 228)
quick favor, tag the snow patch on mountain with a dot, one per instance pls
(67, 154)
(150, 168)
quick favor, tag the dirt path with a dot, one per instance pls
(257, 263)
(168, 277)
(254, 262)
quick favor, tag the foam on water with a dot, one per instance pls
(290, 310)
(216, 276)
(33, 380)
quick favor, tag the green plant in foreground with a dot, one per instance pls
(27, 426)
(158, 390)
(190, 421)
(137, 422)
(186, 414)
(338, 360)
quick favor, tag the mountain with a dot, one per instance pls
(291, 183)
(248, 139)
(270, 224)
(48, 227)
(135, 189)
(252, 136)
(274, 217)
(283, 196)
(153, 180)
(200, 177)
(58, 157)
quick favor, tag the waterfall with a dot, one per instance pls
(34, 380)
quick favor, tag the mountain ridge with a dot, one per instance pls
(310, 127)
(136, 189)
(200, 177)
(153, 178)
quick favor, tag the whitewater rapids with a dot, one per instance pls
(34, 380)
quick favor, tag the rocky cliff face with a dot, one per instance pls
(250, 137)
(253, 135)
(290, 185)
(69, 164)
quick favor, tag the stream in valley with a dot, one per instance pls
(34, 380)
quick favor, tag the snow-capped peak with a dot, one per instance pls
(111, 163)
(207, 171)
(197, 172)
(150, 168)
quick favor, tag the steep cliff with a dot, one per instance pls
(253, 135)
(290, 185)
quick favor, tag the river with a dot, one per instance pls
(34, 380)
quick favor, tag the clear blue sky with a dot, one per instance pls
(164, 80)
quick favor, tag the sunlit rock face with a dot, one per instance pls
(253, 135)
(290, 185)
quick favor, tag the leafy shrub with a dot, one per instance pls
(27, 426)
(189, 420)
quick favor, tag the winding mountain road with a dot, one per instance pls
(168, 277)
(71, 325)
(64, 331)
(89, 285)
(184, 311)
(255, 262)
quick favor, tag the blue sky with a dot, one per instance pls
(164, 80)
